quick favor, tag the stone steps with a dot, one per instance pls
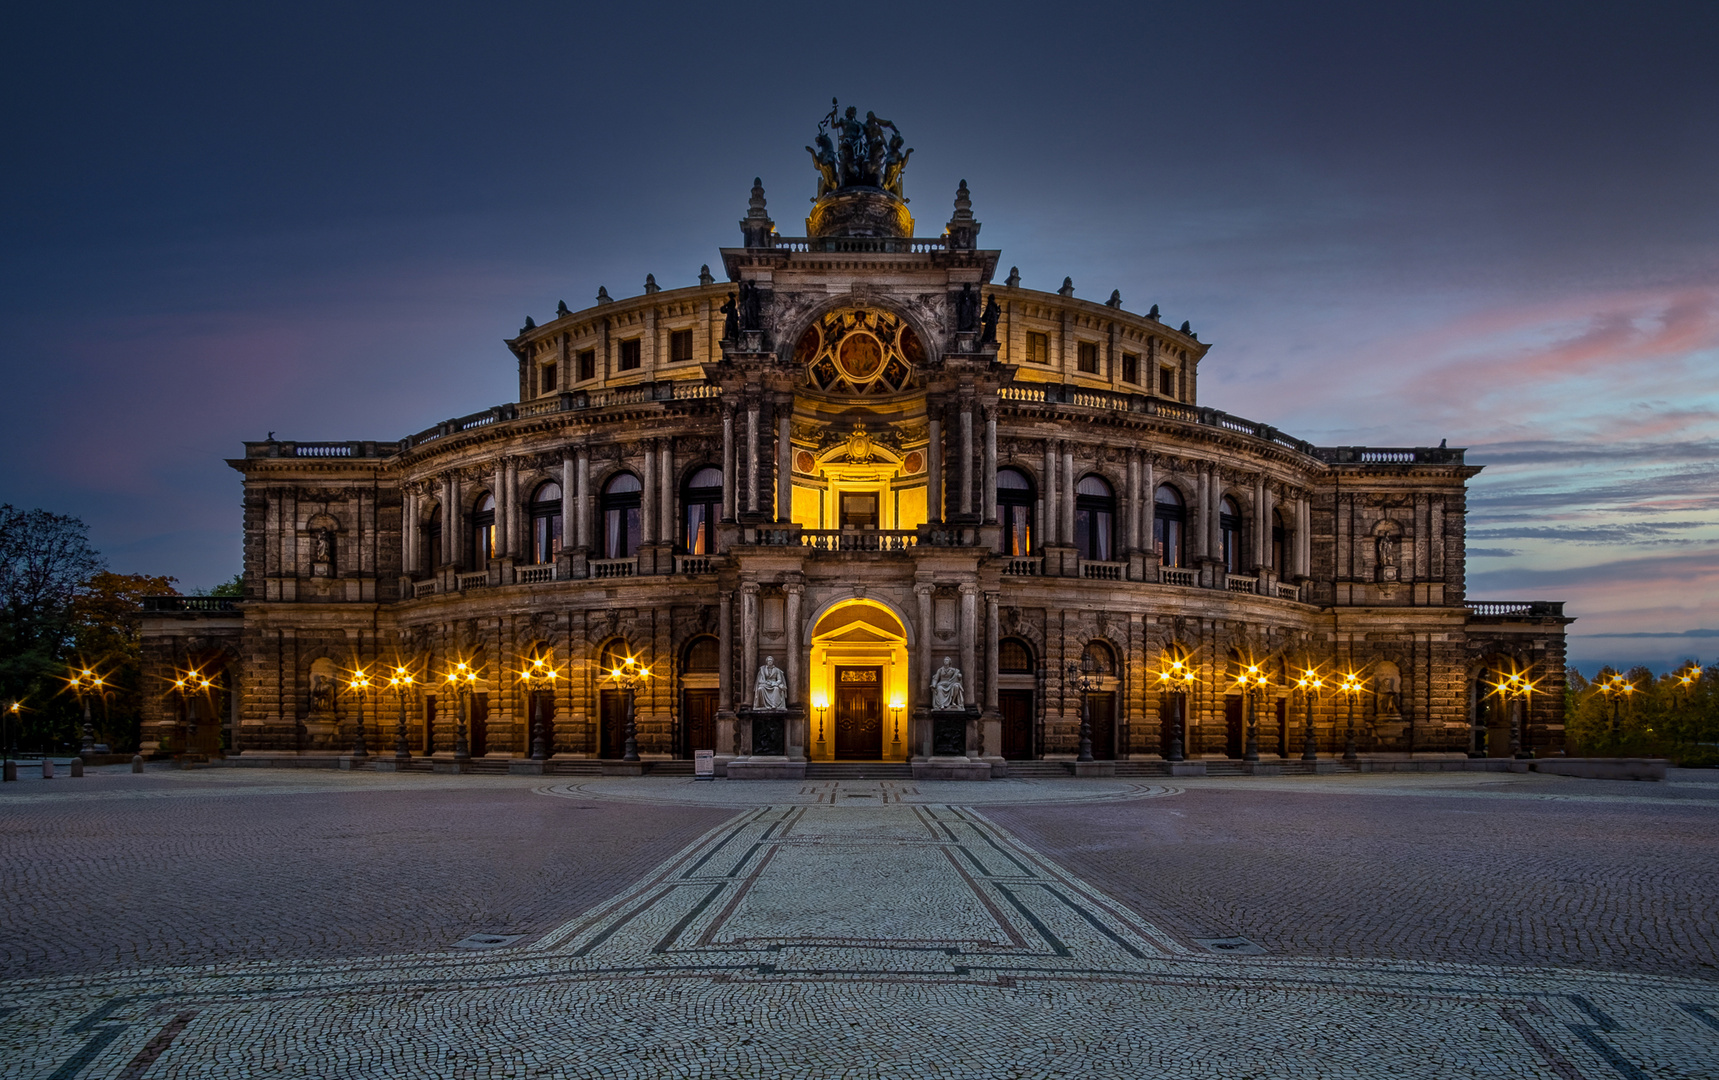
(858, 770)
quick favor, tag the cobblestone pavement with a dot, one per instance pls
(859, 930)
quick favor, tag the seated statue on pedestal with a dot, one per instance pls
(947, 692)
(770, 692)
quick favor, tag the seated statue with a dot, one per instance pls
(770, 692)
(947, 693)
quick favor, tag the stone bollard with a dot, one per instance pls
(47, 767)
(11, 770)
(77, 767)
(137, 763)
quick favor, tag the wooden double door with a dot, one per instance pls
(859, 713)
(698, 721)
(1016, 707)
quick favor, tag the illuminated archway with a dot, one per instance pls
(859, 684)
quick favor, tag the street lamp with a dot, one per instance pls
(83, 683)
(462, 677)
(895, 708)
(189, 684)
(629, 675)
(538, 675)
(1082, 675)
(9, 724)
(405, 685)
(1252, 680)
(1617, 687)
(359, 682)
(1310, 684)
(1179, 677)
(820, 706)
(1351, 689)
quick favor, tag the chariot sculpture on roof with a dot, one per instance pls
(851, 152)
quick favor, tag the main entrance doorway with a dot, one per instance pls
(859, 713)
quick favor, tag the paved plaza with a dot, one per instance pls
(226, 923)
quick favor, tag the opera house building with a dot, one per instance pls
(853, 502)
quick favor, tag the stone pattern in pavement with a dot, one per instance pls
(1528, 869)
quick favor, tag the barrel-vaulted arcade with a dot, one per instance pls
(853, 499)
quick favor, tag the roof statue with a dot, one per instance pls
(859, 163)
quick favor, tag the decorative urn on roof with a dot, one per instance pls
(859, 163)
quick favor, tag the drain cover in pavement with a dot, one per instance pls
(1230, 945)
(488, 941)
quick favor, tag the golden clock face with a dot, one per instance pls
(859, 351)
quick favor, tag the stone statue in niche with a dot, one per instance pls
(947, 693)
(730, 320)
(321, 695)
(1389, 694)
(751, 307)
(323, 547)
(1387, 556)
(966, 308)
(770, 692)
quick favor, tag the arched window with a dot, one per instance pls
(1094, 519)
(1014, 657)
(702, 499)
(546, 522)
(702, 657)
(621, 517)
(483, 532)
(613, 656)
(1229, 528)
(1103, 658)
(1169, 518)
(1015, 511)
(1279, 544)
(432, 541)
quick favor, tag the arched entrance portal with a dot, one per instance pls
(859, 685)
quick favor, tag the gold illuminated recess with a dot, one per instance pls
(859, 351)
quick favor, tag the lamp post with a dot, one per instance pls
(1252, 680)
(1517, 690)
(820, 706)
(404, 684)
(85, 682)
(360, 683)
(462, 677)
(9, 724)
(1350, 688)
(1615, 688)
(895, 708)
(538, 675)
(1180, 678)
(629, 675)
(1081, 675)
(188, 684)
(1310, 683)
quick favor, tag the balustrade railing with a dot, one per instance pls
(859, 539)
(1240, 584)
(1103, 571)
(614, 568)
(534, 575)
(202, 604)
(477, 579)
(1528, 609)
(1171, 575)
(423, 588)
(695, 564)
(1018, 566)
(1288, 592)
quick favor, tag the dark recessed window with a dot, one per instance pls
(587, 364)
(621, 517)
(1014, 657)
(546, 523)
(1094, 519)
(1167, 381)
(1038, 348)
(701, 498)
(1169, 516)
(1230, 530)
(680, 347)
(1130, 368)
(629, 355)
(1015, 511)
(1089, 357)
(548, 382)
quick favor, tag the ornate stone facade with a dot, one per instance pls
(862, 456)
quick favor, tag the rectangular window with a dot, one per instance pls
(629, 355)
(548, 381)
(1089, 357)
(1130, 368)
(1167, 381)
(1038, 348)
(680, 347)
(587, 364)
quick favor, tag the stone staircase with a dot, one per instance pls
(858, 770)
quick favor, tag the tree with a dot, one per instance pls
(233, 587)
(106, 617)
(45, 561)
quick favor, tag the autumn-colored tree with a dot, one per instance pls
(1636, 713)
(105, 628)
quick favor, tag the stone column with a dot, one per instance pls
(499, 489)
(648, 496)
(730, 473)
(409, 533)
(967, 457)
(1067, 493)
(1133, 534)
(990, 480)
(582, 497)
(1423, 550)
(795, 666)
(969, 641)
(784, 466)
(1303, 536)
(748, 639)
(1196, 544)
(1052, 535)
(1261, 523)
(569, 511)
(725, 649)
(1148, 500)
(516, 539)
(752, 457)
(993, 635)
(921, 698)
(934, 467)
(666, 481)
